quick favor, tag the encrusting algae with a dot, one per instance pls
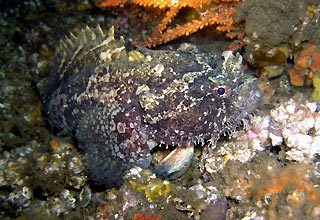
(293, 182)
(156, 190)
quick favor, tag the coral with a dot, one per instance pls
(292, 182)
(271, 62)
(143, 196)
(139, 187)
(33, 174)
(155, 190)
(306, 65)
(316, 91)
(210, 12)
(145, 217)
(278, 180)
(293, 124)
(276, 31)
(242, 146)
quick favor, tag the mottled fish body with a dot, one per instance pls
(121, 104)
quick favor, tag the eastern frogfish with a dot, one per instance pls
(121, 104)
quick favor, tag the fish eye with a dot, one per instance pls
(222, 91)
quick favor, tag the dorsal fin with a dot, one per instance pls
(75, 53)
(89, 48)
